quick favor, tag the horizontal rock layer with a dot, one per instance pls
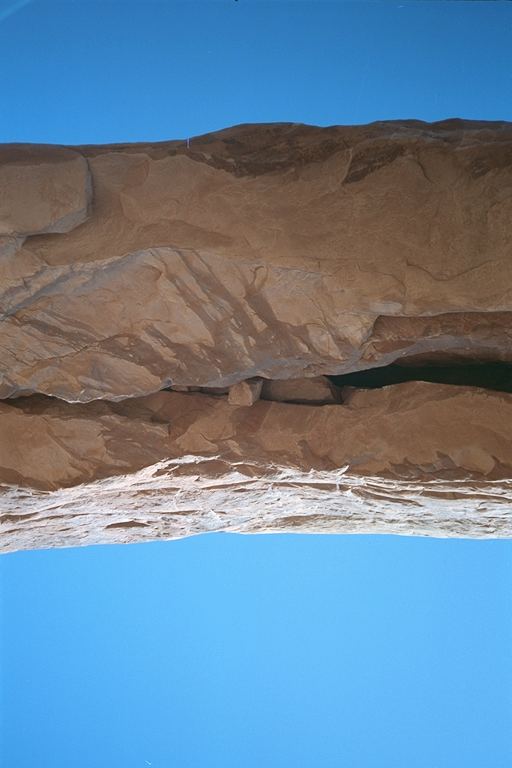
(192, 495)
(409, 436)
(254, 256)
(276, 251)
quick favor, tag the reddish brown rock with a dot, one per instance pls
(43, 190)
(317, 390)
(245, 392)
(415, 459)
(275, 251)
(279, 254)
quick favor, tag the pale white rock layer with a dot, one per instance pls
(194, 494)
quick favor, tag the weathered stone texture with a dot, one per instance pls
(317, 390)
(245, 392)
(258, 251)
(43, 190)
(263, 257)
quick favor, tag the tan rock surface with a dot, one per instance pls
(245, 392)
(317, 390)
(283, 252)
(269, 250)
(43, 190)
(413, 430)
(421, 447)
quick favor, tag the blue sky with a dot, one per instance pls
(276, 651)
(85, 72)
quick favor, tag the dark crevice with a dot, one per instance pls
(127, 524)
(494, 376)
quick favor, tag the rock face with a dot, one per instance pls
(42, 190)
(317, 390)
(267, 258)
(245, 392)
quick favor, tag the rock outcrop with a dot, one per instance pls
(317, 390)
(246, 274)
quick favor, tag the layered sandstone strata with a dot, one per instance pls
(237, 272)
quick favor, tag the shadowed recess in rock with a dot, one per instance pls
(495, 376)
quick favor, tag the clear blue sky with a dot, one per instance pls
(265, 651)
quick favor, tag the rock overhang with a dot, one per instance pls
(270, 253)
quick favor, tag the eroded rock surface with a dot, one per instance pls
(245, 392)
(43, 190)
(272, 254)
(317, 390)
(278, 251)
(404, 432)
(169, 464)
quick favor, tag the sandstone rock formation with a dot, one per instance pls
(317, 390)
(245, 392)
(267, 258)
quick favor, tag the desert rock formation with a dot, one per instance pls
(173, 316)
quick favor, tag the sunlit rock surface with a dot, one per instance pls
(43, 190)
(268, 254)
